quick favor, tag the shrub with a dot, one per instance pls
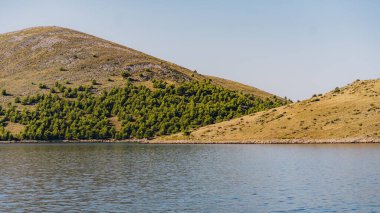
(186, 132)
(81, 88)
(62, 69)
(316, 100)
(125, 74)
(159, 84)
(42, 86)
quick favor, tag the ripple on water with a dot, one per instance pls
(189, 178)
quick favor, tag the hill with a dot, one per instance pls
(44, 55)
(60, 84)
(350, 113)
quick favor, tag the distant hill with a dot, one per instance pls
(44, 55)
(60, 84)
(345, 114)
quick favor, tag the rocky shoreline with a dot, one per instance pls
(253, 141)
(74, 141)
(272, 141)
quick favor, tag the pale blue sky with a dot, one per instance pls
(292, 48)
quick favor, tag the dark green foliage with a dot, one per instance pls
(79, 114)
(5, 135)
(28, 100)
(17, 100)
(159, 84)
(42, 86)
(125, 74)
(186, 132)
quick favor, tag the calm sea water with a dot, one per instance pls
(189, 178)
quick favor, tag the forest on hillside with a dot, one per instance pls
(130, 112)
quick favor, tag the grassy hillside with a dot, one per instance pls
(349, 112)
(59, 84)
(45, 55)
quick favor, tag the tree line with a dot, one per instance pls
(79, 113)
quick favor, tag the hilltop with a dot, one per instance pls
(44, 55)
(347, 114)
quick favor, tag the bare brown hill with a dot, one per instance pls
(350, 113)
(45, 55)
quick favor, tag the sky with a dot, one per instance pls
(292, 48)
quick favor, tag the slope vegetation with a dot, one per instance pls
(345, 114)
(126, 112)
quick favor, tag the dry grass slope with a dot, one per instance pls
(350, 112)
(44, 55)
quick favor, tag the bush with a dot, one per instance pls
(186, 132)
(42, 86)
(81, 88)
(159, 84)
(125, 74)
(62, 69)
(315, 100)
